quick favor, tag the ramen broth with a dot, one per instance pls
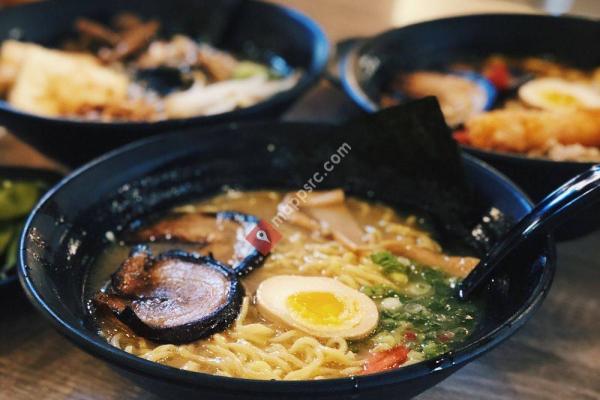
(418, 315)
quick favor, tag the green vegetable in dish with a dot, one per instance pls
(389, 262)
(248, 69)
(9, 237)
(17, 198)
(422, 314)
(10, 257)
(6, 234)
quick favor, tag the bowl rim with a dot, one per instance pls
(354, 91)
(94, 344)
(319, 60)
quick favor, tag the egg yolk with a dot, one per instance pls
(561, 99)
(319, 308)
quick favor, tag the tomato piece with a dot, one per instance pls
(383, 360)
(461, 137)
(445, 336)
(498, 73)
(410, 336)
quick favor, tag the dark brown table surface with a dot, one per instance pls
(555, 356)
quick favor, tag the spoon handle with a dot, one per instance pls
(560, 205)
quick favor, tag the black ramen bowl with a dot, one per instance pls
(67, 230)
(44, 176)
(260, 31)
(369, 66)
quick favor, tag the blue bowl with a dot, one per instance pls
(159, 172)
(260, 30)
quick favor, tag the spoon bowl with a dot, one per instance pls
(564, 203)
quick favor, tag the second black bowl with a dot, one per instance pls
(248, 27)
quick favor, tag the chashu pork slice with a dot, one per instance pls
(176, 297)
(221, 235)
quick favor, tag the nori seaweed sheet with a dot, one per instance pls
(405, 156)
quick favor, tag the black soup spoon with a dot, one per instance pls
(560, 205)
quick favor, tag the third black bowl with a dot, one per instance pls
(370, 65)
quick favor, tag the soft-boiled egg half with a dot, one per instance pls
(556, 94)
(322, 307)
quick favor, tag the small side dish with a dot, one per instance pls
(126, 72)
(351, 288)
(543, 108)
(17, 198)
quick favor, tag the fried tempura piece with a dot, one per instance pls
(596, 78)
(128, 110)
(12, 54)
(526, 130)
(57, 83)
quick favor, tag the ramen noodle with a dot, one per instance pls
(415, 314)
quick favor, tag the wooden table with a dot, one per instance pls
(555, 356)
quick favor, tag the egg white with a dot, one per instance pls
(273, 293)
(534, 92)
